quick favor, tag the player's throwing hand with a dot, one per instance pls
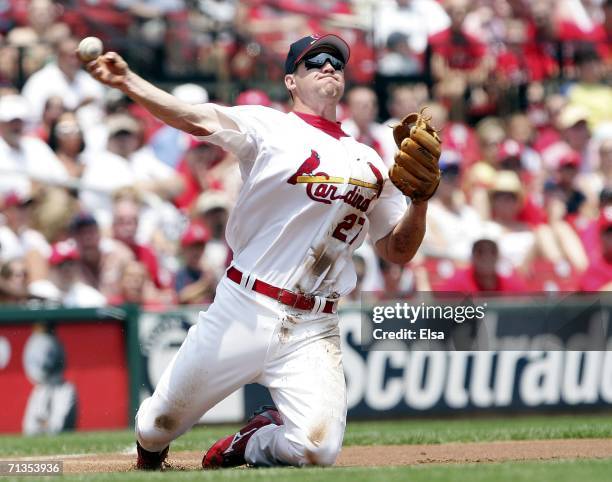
(110, 69)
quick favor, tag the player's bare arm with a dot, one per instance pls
(401, 244)
(199, 120)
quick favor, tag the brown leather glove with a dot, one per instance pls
(416, 172)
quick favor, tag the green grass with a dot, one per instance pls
(358, 433)
(557, 471)
(478, 430)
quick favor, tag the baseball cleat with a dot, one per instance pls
(229, 451)
(150, 460)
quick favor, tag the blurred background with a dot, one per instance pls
(102, 206)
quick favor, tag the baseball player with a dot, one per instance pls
(310, 196)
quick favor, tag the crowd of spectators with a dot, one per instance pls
(102, 204)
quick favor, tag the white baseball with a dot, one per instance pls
(90, 48)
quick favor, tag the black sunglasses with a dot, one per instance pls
(319, 60)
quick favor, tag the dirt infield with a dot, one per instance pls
(386, 455)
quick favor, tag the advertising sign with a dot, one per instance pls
(57, 377)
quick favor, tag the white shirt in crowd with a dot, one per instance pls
(32, 160)
(106, 172)
(81, 295)
(51, 81)
(17, 245)
(418, 20)
(451, 234)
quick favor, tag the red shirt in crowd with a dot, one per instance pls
(147, 256)
(12, 13)
(532, 212)
(462, 138)
(193, 188)
(106, 19)
(465, 281)
(588, 232)
(597, 275)
(310, 8)
(461, 51)
(603, 43)
(530, 64)
(568, 31)
(533, 60)
(546, 137)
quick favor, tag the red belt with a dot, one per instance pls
(295, 300)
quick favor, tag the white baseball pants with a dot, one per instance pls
(245, 337)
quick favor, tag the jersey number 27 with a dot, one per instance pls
(341, 231)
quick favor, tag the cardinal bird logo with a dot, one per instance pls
(309, 166)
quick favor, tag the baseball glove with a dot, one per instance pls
(415, 171)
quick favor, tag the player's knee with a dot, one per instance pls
(322, 456)
(157, 435)
(320, 446)
(155, 431)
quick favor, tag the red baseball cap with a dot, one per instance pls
(63, 251)
(195, 233)
(253, 97)
(605, 219)
(13, 199)
(569, 159)
(509, 149)
(301, 47)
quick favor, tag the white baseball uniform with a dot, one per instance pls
(310, 196)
